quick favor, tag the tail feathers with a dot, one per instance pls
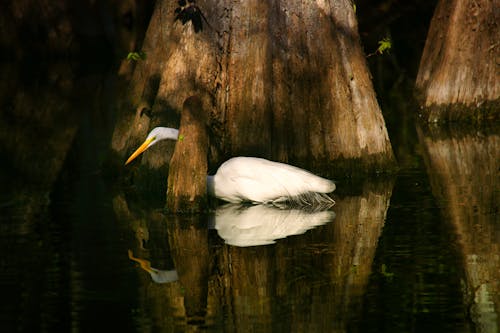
(312, 200)
(322, 185)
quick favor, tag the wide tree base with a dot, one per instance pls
(459, 65)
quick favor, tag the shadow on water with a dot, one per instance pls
(55, 124)
(414, 253)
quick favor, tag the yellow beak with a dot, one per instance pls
(139, 150)
(145, 265)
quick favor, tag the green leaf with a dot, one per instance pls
(135, 56)
(384, 45)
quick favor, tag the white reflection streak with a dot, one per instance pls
(256, 225)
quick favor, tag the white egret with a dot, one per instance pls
(252, 179)
(239, 179)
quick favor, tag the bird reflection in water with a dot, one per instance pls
(157, 275)
(252, 225)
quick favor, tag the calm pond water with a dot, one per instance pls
(417, 252)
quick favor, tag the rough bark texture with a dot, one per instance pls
(459, 64)
(285, 80)
(187, 176)
(464, 171)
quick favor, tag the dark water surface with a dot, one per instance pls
(418, 252)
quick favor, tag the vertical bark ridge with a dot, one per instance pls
(285, 80)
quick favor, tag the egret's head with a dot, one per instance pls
(156, 135)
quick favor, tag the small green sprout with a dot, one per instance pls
(383, 45)
(180, 138)
(135, 56)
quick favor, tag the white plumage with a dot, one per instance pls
(259, 180)
(251, 225)
(255, 179)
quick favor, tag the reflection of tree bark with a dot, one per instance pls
(464, 172)
(247, 288)
(188, 239)
(164, 304)
(173, 241)
(160, 304)
(361, 221)
(316, 279)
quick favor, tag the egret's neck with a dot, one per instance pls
(171, 133)
(210, 186)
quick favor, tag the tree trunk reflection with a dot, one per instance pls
(464, 171)
(309, 282)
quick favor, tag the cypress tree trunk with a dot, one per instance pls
(285, 80)
(187, 174)
(459, 65)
